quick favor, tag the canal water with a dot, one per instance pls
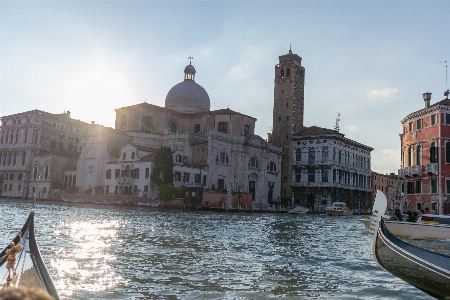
(111, 252)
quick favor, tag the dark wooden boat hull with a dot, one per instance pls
(31, 271)
(424, 269)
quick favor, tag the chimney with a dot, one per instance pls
(427, 98)
(68, 113)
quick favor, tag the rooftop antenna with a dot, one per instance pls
(190, 59)
(336, 126)
(446, 86)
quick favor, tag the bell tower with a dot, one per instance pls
(287, 111)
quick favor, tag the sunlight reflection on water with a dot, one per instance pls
(96, 252)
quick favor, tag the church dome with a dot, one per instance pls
(188, 96)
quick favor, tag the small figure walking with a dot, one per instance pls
(10, 255)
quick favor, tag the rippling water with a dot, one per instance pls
(108, 252)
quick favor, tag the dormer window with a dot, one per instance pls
(124, 155)
(179, 158)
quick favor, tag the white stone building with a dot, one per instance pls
(217, 149)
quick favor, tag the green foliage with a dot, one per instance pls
(166, 192)
(88, 191)
(163, 172)
(98, 190)
(179, 192)
(213, 187)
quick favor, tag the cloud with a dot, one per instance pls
(352, 128)
(382, 160)
(383, 93)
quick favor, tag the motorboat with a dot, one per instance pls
(426, 270)
(21, 263)
(300, 210)
(426, 227)
(338, 209)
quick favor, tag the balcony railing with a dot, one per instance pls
(125, 180)
(415, 170)
(432, 168)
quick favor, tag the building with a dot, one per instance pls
(328, 167)
(216, 149)
(425, 153)
(35, 149)
(316, 161)
(390, 185)
(288, 112)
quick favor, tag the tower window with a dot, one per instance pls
(287, 104)
(246, 130)
(282, 73)
(287, 136)
(196, 128)
(279, 118)
(223, 127)
(287, 118)
(288, 72)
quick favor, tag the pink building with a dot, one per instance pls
(425, 154)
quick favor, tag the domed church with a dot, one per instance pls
(211, 148)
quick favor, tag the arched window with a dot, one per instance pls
(409, 155)
(282, 73)
(311, 155)
(311, 175)
(288, 72)
(222, 158)
(418, 155)
(298, 155)
(447, 152)
(433, 153)
(271, 167)
(325, 154)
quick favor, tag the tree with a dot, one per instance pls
(163, 172)
(166, 192)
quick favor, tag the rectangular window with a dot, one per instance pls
(418, 205)
(147, 172)
(410, 126)
(133, 155)
(311, 175)
(197, 178)
(204, 179)
(447, 184)
(434, 206)
(177, 176)
(325, 176)
(246, 130)
(418, 186)
(298, 175)
(124, 155)
(220, 184)
(116, 173)
(186, 177)
(419, 124)
(19, 187)
(108, 174)
(223, 127)
(433, 183)
(410, 187)
(196, 128)
(447, 119)
(433, 120)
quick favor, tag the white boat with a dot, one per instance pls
(427, 226)
(300, 210)
(338, 209)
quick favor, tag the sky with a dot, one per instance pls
(369, 61)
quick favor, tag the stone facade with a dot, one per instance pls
(216, 149)
(331, 168)
(425, 152)
(36, 145)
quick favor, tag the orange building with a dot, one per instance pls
(425, 153)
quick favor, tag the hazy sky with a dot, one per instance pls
(368, 60)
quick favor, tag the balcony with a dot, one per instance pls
(432, 168)
(125, 180)
(415, 170)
